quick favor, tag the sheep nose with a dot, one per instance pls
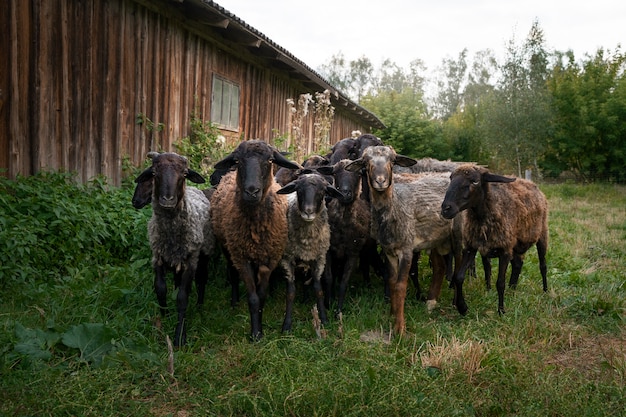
(252, 191)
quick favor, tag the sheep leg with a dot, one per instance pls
(459, 300)
(542, 248)
(160, 288)
(254, 303)
(328, 279)
(202, 276)
(516, 269)
(348, 267)
(182, 302)
(289, 297)
(440, 265)
(503, 264)
(487, 270)
(413, 274)
(399, 291)
(317, 272)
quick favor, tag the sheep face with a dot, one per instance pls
(143, 194)
(344, 149)
(378, 161)
(468, 185)
(168, 173)
(310, 190)
(253, 161)
(365, 141)
(346, 182)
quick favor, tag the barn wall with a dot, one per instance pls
(79, 73)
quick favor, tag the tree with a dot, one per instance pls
(409, 129)
(590, 128)
(519, 119)
(450, 86)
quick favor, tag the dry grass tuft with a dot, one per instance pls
(450, 356)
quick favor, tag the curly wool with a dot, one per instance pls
(178, 235)
(257, 234)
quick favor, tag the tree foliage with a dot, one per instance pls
(539, 110)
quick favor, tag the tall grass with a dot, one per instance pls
(80, 332)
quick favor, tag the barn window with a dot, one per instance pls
(225, 103)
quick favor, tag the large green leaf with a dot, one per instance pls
(35, 343)
(94, 340)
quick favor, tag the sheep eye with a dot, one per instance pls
(475, 183)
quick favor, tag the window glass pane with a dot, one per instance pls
(216, 104)
(234, 108)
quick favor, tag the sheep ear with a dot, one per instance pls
(333, 192)
(145, 176)
(325, 170)
(489, 177)
(280, 160)
(226, 163)
(355, 166)
(193, 176)
(287, 189)
(404, 161)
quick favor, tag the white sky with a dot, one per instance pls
(431, 30)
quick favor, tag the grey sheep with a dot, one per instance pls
(504, 218)
(405, 219)
(250, 219)
(179, 231)
(308, 237)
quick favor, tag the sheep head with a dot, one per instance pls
(377, 163)
(253, 161)
(469, 184)
(348, 183)
(310, 190)
(168, 173)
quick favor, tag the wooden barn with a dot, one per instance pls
(86, 85)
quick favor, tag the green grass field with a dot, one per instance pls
(80, 333)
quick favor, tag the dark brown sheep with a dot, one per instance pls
(504, 218)
(250, 219)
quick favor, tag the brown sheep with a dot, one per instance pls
(250, 219)
(504, 218)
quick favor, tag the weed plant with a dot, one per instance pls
(80, 332)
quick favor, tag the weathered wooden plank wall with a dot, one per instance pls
(79, 72)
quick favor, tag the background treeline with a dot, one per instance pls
(533, 109)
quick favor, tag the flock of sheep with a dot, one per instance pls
(330, 216)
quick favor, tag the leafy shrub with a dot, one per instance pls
(204, 146)
(52, 225)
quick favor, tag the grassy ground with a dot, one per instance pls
(80, 332)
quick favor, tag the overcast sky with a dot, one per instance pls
(431, 30)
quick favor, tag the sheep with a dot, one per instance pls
(250, 219)
(405, 219)
(179, 231)
(428, 165)
(349, 218)
(504, 217)
(344, 149)
(285, 175)
(309, 236)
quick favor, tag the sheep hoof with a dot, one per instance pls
(430, 305)
(462, 309)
